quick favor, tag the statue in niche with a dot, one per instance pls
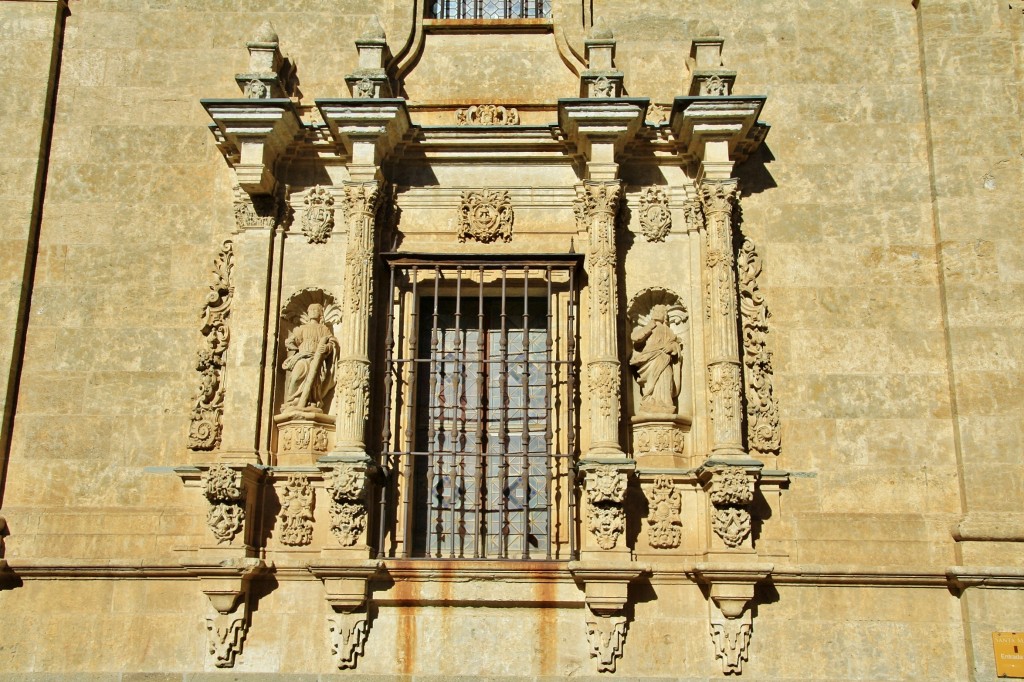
(656, 361)
(311, 351)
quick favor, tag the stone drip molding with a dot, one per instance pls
(764, 435)
(208, 406)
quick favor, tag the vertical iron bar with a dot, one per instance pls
(525, 436)
(548, 432)
(458, 430)
(411, 426)
(389, 347)
(438, 391)
(571, 412)
(503, 414)
(481, 411)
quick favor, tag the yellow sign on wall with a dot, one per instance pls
(1009, 649)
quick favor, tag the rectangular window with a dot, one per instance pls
(479, 432)
(490, 9)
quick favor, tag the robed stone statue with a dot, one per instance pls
(311, 349)
(656, 360)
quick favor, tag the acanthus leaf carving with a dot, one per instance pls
(724, 387)
(487, 115)
(354, 387)
(606, 484)
(208, 405)
(360, 199)
(258, 212)
(731, 491)
(347, 633)
(318, 217)
(607, 637)
(665, 507)
(655, 216)
(604, 380)
(730, 485)
(763, 432)
(225, 635)
(596, 206)
(485, 216)
(297, 511)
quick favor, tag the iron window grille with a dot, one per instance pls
(479, 432)
(490, 9)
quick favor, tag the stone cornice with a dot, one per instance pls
(697, 120)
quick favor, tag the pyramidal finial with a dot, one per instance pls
(600, 30)
(373, 30)
(265, 33)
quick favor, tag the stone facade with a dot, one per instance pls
(779, 414)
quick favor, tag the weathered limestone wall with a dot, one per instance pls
(885, 204)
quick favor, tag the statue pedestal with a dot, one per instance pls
(659, 440)
(303, 436)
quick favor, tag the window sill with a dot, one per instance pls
(488, 25)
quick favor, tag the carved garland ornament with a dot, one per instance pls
(318, 218)
(348, 507)
(763, 433)
(655, 217)
(297, 511)
(205, 430)
(223, 488)
(487, 115)
(665, 507)
(486, 216)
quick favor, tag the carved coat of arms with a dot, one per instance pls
(318, 218)
(485, 216)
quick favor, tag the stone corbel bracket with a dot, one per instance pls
(606, 586)
(730, 587)
(347, 587)
(227, 585)
(600, 128)
(695, 121)
(253, 134)
(368, 129)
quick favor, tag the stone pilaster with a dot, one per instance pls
(721, 299)
(596, 207)
(360, 201)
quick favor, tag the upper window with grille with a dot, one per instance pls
(490, 9)
(480, 434)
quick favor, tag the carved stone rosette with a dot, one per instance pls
(223, 488)
(348, 502)
(607, 637)
(731, 492)
(655, 217)
(663, 518)
(486, 216)
(487, 115)
(763, 433)
(596, 207)
(208, 406)
(297, 511)
(724, 381)
(606, 515)
(318, 216)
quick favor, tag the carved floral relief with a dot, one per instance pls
(208, 406)
(486, 216)
(655, 217)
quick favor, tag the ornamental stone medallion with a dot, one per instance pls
(485, 216)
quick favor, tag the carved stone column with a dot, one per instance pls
(721, 299)
(360, 201)
(596, 206)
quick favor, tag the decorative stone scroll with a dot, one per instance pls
(347, 632)
(655, 217)
(486, 216)
(607, 637)
(665, 504)
(208, 406)
(297, 511)
(606, 493)
(731, 492)
(223, 488)
(763, 432)
(225, 635)
(348, 505)
(487, 115)
(318, 217)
